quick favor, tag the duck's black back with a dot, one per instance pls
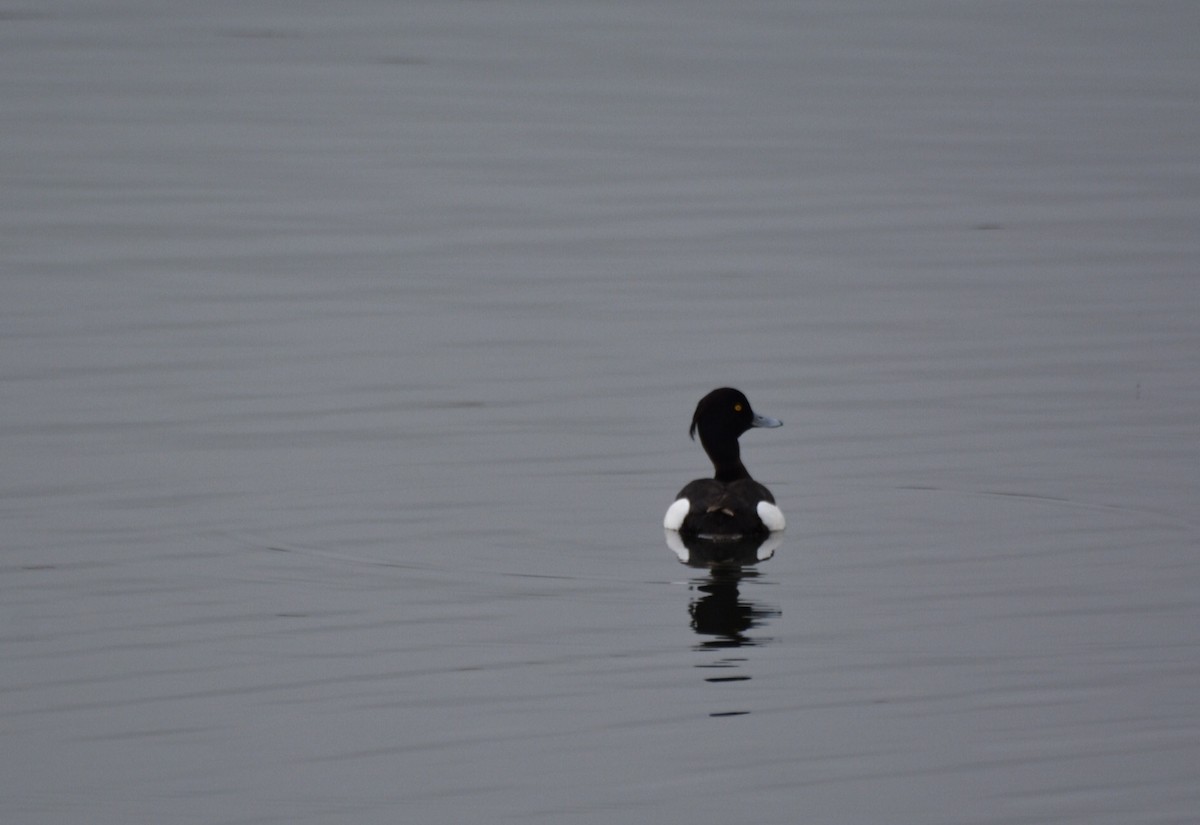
(724, 508)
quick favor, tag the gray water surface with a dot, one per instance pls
(347, 353)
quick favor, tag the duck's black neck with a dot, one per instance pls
(726, 458)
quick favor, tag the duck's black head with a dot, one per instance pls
(720, 417)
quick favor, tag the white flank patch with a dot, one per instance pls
(676, 513)
(771, 516)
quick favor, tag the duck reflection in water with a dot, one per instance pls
(720, 613)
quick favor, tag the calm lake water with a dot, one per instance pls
(347, 353)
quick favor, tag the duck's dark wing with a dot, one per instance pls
(724, 509)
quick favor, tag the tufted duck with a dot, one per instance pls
(731, 503)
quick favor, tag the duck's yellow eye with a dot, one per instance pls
(737, 407)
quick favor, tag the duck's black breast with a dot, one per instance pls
(724, 508)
